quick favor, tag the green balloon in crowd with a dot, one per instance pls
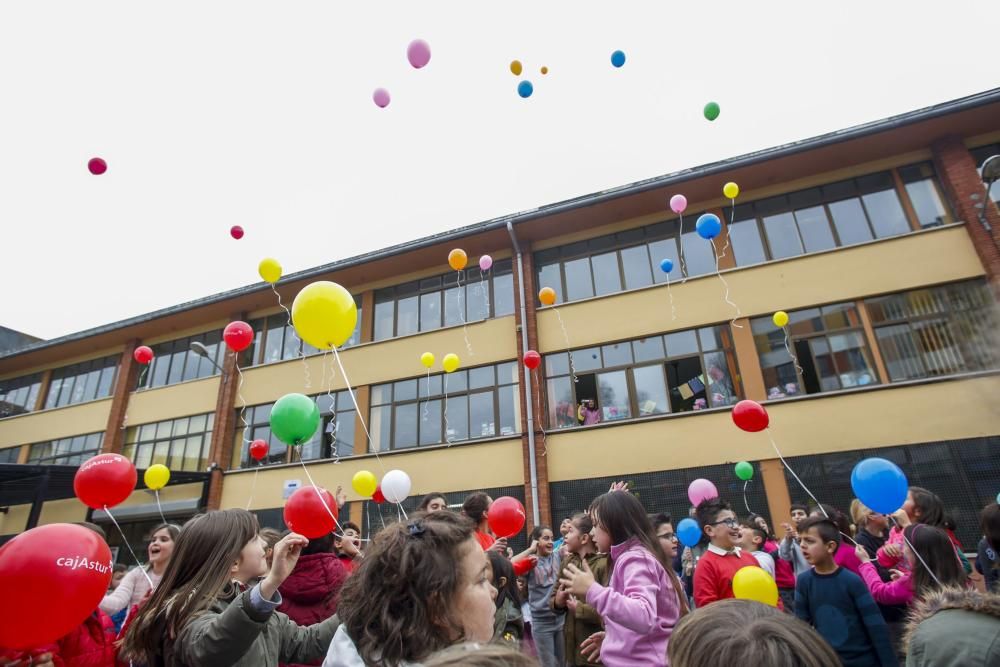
(294, 419)
(744, 470)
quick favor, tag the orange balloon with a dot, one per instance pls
(547, 296)
(457, 259)
(545, 70)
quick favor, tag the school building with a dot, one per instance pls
(881, 242)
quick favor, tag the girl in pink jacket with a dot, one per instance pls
(643, 599)
(937, 553)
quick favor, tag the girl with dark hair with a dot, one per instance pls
(644, 598)
(476, 507)
(988, 552)
(582, 620)
(508, 623)
(139, 582)
(433, 502)
(921, 506)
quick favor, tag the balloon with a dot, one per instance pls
(678, 203)
(666, 265)
(364, 483)
(525, 89)
(753, 583)
(97, 166)
(457, 259)
(395, 486)
(618, 58)
(259, 449)
(236, 232)
(744, 470)
(143, 354)
(324, 314)
(381, 98)
(515, 67)
(711, 111)
(780, 319)
(506, 516)
(377, 496)
(62, 563)
(451, 362)
(269, 270)
(545, 70)
(294, 419)
(689, 532)
(418, 53)
(156, 476)
(750, 416)
(731, 190)
(104, 480)
(238, 336)
(547, 296)
(708, 225)
(485, 262)
(305, 514)
(532, 359)
(879, 484)
(701, 489)
(427, 359)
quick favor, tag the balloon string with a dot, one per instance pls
(156, 492)
(428, 401)
(788, 348)
(333, 411)
(572, 366)
(322, 500)
(129, 546)
(253, 486)
(673, 308)
(789, 468)
(354, 400)
(381, 518)
(243, 405)
(538, 411)
(461, 314)
(725, 284)
(745, 503)
(917, 553)
(731, 218)
(291, 329)
(485, 291)
(680, 239)
(447, 426)
(142, 375)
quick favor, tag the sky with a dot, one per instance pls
(221, 113)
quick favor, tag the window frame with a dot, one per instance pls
(32, 383)
(69, 377)
(134, 441)
(66, 457)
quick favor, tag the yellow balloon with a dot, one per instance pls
(427, 359)
(451, 362)
(515, 67)
(324, 314)
(731, 190)
(364, 483)
(156, 477)
(780, 319)
(457, 259)
(547, 296)
(753, 583)
(270, 270)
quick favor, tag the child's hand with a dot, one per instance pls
(286, 555)
(901, 518)
(533, 549)
(862, 554)
(591, 646)
(572, 603)
(561, 595)
(789, 531)
(618, 486)
(892, 551)
(895, 574)
(500, 546)
(340, 496)
(578, 581)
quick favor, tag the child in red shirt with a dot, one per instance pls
(713, 577)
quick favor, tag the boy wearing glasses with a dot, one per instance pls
(713, 577)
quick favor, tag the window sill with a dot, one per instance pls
(143, 390)
(56, 409)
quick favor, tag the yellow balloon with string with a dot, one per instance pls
(451, 362)
(156, 476)
(270, 270)
(364, 483)
(324, 314)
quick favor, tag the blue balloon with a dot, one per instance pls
(708, 225)
(618, 58)
(667, 266)
(879, 484)
(525, 89)
(689, 532)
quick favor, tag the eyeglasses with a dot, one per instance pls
(731, 522)
(668, 536)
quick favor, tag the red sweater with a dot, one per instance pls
(713, 577)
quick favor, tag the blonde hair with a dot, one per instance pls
(859, 513)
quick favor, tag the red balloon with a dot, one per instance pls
(305, 514)
(143, 354)
(97, 166)
(506, 516)
(532, 359)
(59, 563)
(236, 232)
(750, 416)
(259, 449)
(377, 496)
(104, 481)
(238, 335)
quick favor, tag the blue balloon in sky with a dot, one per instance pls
(618, 58)
(689, 532)
(525, 89)
(879, 484)
(708, 226)
(667, 265)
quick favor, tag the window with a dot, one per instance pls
(677, 372)
(925, 195)
(936, 331)
(66, 451)
(276, 340)
(19, 395)
(829, 346)
(446, 407)
(980, 155)
(179, 444)
(82, 382)
(10, 455)
(444, 301)
(173, 361)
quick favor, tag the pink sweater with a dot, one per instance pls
(130, 592)
(884, 559)
(846, 558)
(899, 591)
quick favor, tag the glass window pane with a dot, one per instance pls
(698, 254)
(886, 214)
(850, 221)
(477, 293)
(163, 429)
(661, 250)
(557, 364)
(381, 426)
(686, 384)
(618, 354)
(508, 373)
(405, 426)
(587, 359)
(180, 426)
(482, 420)
(91, 383)
(503, 295)
(747, 245)
(712, 337)
(275, 341)
(927, 203)
(429, 386)
(292, 346)
(104, 387)
(197, 423)
(650, 390)
(454, 307)
(161, 366)
(405, 390)
(720, 382)
(343, 434)
(384, 320)
(814, 228)
(578, 279)
(430, 311)
(193, 459)
(681, 343)
(636, 266)
(613, 396)
(607, 278)
(55, 385)
(561, 404)
(481, 377)
(407, 316)
(430, 422)
(381, 393)
(550, 276)
(510, 410)
(850, 357)
(455, 382)
(143, 456)
(648, 349)
(456, 418)
(782, 237)
(824, 367)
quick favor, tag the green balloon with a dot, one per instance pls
(294, 419)
(744, 470)
(712, 110)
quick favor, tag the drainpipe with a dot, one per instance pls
(529, 409)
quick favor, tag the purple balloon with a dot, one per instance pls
(678, 203)
(381, 98)
(485, 262)
(701, 489)
(418, 53)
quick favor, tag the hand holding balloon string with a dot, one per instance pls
(285, 556)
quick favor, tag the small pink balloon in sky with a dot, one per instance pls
(418, 53)
(678, 203)
(236, 232)
(485, 262)
(97, 166)
(381, 98)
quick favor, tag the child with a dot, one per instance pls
(433, 502)
(477, 507)
(954, 627)
(137, 584)
(871, 527)
(664, 526)
(921, 506)
(563, 529)
(582, 620)
(987, 560)
(546, 625)
(204, 611)
(522, 592)
(643, 599)
(784, 574)
(845, 556)
(836, 602)
(347, 545)
(271, 536)
(713, 578)
(508, 624)
(752, 540)
(789, 550)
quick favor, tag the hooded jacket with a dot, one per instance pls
(90, 644)
(954, 627)
(309, 595)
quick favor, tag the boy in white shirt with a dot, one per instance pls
(752, 540)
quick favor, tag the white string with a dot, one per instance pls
(156, 492)
(572, 367)
(916, 553)
(732, 217)
(333, 412)
(129, 546)
(725, 284)
(788, 349)
(461, 314)
(302, 346)
(243, 404)
(253, 486)
(745, 503)
(428, 401)
(371, 446)
(789, 468)
(673, 309)
(447, 426)
(538, 412)
(680, 240)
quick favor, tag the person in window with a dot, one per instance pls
(587, 414)
(564, 415)
(719, 386)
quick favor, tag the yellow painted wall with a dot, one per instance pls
(70, 510)
(891, 265)
(177, 400)
(167, 494)
(911, 414)
(472, 466)
(55, 423)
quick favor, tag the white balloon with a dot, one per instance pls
(396, 486)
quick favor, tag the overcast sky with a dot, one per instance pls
(215, 113)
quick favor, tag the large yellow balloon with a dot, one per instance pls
(270, 270)
(731, 190)
(156, 477)
(364, 483)
(457, 259)
(753, 583)
(780, 319)
(547, 296)
(427, 359)
(451, 362)
(324, 314)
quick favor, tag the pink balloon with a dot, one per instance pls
(418, 53)
(381, 98)
(701, 489)
(678, 203)
(485, 262)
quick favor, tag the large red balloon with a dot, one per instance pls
(104, 480)
(259, 449)
(143, 354)
(238, 335)
(377, 496)
(305, 514)
(750, 416)
(53, 578)
(532, 359)
(506, 516)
